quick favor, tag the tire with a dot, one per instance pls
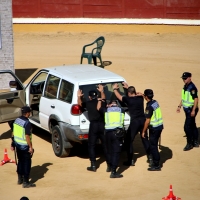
(57, 143)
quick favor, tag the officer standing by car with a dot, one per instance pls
(114, 128)
(96, 129)
(154, 123)
(189, 101)
(22, 140)
(135, 105)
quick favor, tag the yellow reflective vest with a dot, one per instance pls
(156, 118)
(187, 100)
(19, 132)
(114, 118)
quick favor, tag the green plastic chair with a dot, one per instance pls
(96, 52)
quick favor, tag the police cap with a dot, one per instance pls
(93, 94)
(26, 109)
(186, 75)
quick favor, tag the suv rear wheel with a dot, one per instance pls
(57, 143)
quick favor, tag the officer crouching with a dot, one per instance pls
(114, 121)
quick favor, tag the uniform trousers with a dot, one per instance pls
(24, 163)
(136, 126)
(114, 146)
(96, 131)
(190, 127)
(154, 136)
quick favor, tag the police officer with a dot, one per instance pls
(96, 128)
(135, 105)
(114, 121)
(154, 123)
(22, 140)
(189, 102)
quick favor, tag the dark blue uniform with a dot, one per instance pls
(24, 157)
(190, 127)
(154, 133)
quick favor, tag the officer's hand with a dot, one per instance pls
(115, 86)
(178, 110)
(143, 134)
(12, 148)
(100, 88)
(31, 150)
(192, 113)
(79, 93)
(125, 85)
(139, 94)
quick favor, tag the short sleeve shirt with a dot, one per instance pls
(192, 88)
(135, 106)
(93, 113)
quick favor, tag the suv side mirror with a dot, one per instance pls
(13, 84)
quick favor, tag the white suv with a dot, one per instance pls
(52, 95)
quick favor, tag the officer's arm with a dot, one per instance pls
(115, 90)
(28, 140)
(195, 104)
(146, 124)
(99, 104)
(79, 95)
(179, 107)
(100, 89)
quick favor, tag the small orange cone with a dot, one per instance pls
(171, 195)
(6, 159)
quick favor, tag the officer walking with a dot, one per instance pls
(22, 140)
(135, 105)
(114, 121)
(154, 123)
(96, 129)
(189, 101)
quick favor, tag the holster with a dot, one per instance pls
(119, 132)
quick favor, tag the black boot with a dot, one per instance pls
(195, 143)
(130, 161)
(114, 174)
(27, 184)
(155, 167)
(188, 147)
(108, 168)
(20, 179)
(150, 159)
(92, 167)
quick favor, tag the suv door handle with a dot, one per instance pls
(52, 106)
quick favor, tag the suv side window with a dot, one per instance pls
(66, 91)
(51, 88)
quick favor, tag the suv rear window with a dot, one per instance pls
(107, 90)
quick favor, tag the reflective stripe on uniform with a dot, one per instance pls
(156, 118)
(114, 118)
(187, 100)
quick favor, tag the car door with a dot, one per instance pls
(12, 96)
(49, 101)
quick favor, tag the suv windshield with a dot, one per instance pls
(107, 90)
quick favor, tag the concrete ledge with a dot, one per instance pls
(153, 21)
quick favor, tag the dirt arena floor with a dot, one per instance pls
(147, 57)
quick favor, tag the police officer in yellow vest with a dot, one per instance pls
(22, 140)
(114, 124)
(189, 102)
(154, 123)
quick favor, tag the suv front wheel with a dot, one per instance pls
(57, 143)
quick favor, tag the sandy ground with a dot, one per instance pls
(147, 59)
